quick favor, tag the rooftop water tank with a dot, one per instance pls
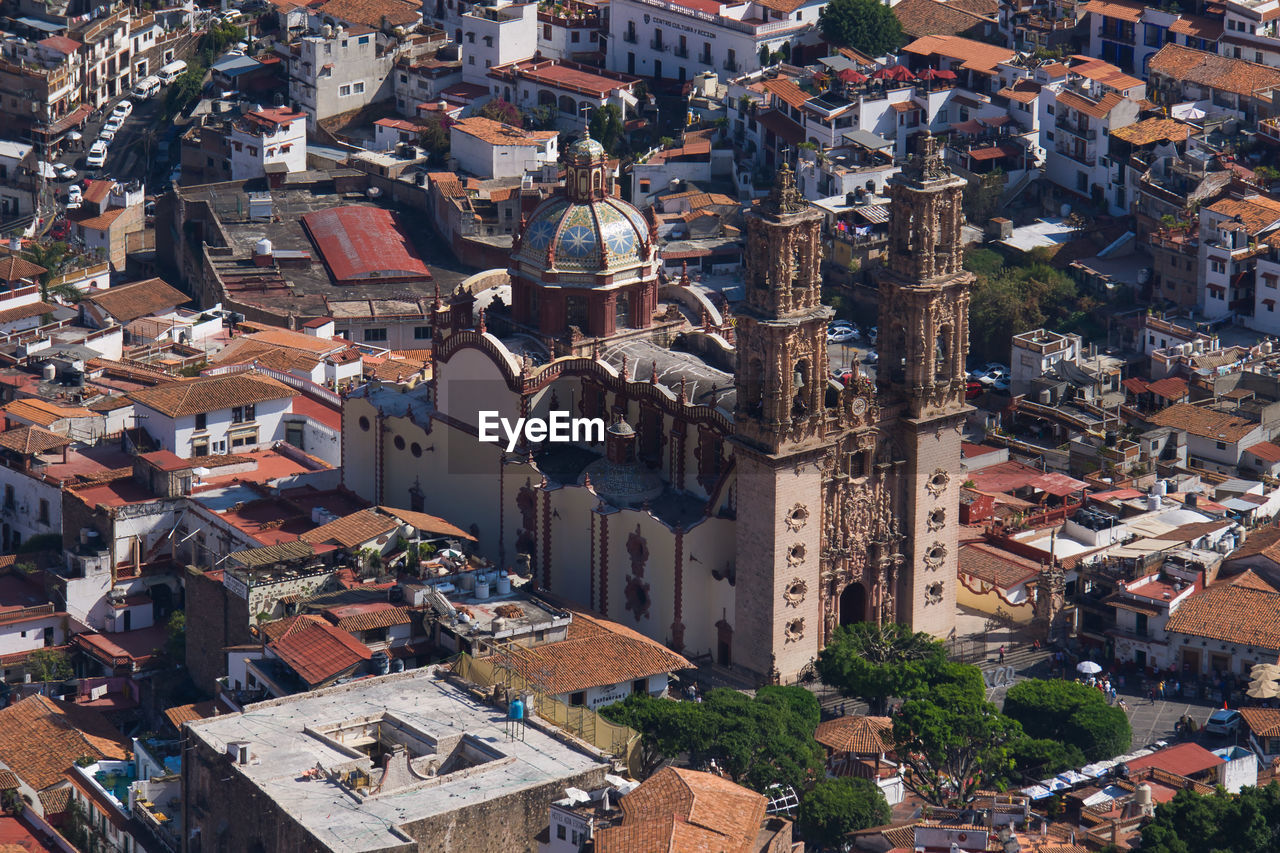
(482, 589)
(515, 711)
(262, 248)
(503, 586)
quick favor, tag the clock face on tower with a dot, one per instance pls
(859, 407)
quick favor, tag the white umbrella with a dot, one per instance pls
(74, 135)
(1264, 689)
(1088, 667)
(1265, 670)
(47, 171)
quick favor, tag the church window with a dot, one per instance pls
(622, 312)
(858, 463)
(799, 408)
(941, 357)
(576, 311)
(364, 423)
(399, 442)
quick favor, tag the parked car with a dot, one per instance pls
(973, 388)
(988, 368)
(842, 335)
(1223, 722)
(872, 334)
(123, 110)
(60, 229)
(1001, 384)
(842, 375)
(65, 172)
(114, 124)
(97, 155)
(871, 357)
(107, 135)
(74, 193)
(991, 377)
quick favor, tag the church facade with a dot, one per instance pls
(742, 505)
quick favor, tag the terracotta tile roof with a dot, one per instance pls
(30, 440)
(973, 55)
(859, 734)
(427, 523)
(779, 125)
(1233, 613)
(8, 780)
(1198, 26)
(188, 713)
(1000, 568)
(383, 616)
(318, 652)
(55, 801)
(1185, 759)
(1256, 212)
(685, 811)
(97, 192)
(40, 738)
(1103, 72)
(1099, 110)
(249, 351)
(277, 629)
(599, 652)
(1265, 450)
(934, 17)
(211, 394)
(126, 302)
(1024, 91)
(45, 412)
(14, 268)
(787, 90)
(1251, 579)
(1170, 388)
(1125, 10)
(1152, 130)
(1263, 722)
(1203, 422)
(1224, 73)
(497, 133)
(101, 221)
(371, 13)
(262, 333)
(351, 530)
(785, 6)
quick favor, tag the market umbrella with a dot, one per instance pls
(47, 170)
(944, 74)
(1264, 690)
(930, 74)
(894, 72)
(1088, 667)
(852, 75)
(74, 135)
(1265, 670)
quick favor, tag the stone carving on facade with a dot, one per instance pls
(938, 482)
(638, 550)
(935, 557)
(933, 593)
(937, 519)
(795, 592)
(795, 554)
(797, 518)
(794, 630)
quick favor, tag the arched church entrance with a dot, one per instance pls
(853, 604)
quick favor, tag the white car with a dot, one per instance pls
(1223, 722)
(106, 135)
(842, 335)
(123, 110)
(97, 155)
(114, 124)
(74, 195)
(991, 377)
(65, 172)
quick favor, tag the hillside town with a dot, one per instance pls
(639, 425)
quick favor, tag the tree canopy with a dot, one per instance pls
(835, 807)
(503, 111)
(1072, 713)
(606, 127)
(758, 741)
(1248, 822)
(867, 26)
(953, 742)
(875, 662)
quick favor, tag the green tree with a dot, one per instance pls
(833, 808)
(758, 741)
(434, 138)
(867, 26)
(1037, 758)
(185, 91)
(953, 744)
(1069, 712)
(49, 665)
(606, 127)
(57, 258)
(875, 662)
(503, 111)
(1248, 822)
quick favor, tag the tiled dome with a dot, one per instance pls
(585, 236)
(586, 150)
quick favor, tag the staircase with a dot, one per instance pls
(1016, 190)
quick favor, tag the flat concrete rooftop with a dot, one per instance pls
(281, 748)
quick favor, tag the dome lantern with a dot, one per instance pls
(586, 159)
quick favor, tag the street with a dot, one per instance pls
(132, 155)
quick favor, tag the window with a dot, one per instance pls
(247, 438)
(202, 421)
(8, 495)
(1217, 266)
(640, 685)
(375, 335)
(344, 90)
(560, 831)
(1221, 445)
(200, 447)
(575, 36)
(253, 151)
(244, 414)
(578, 699)
(357, 88)
(422, 333)
(44, 511)
(363, 40)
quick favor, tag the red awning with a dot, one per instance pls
(75, 118)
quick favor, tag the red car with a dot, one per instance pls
(972, 389)
(60, 229)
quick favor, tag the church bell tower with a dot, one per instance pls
(779, 423)
(924, 334)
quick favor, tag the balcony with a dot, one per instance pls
(1076, 129)
(681, 51)
(730, 65)
(1083, 157)
(705, 59)
(658, 44)
(629, 37)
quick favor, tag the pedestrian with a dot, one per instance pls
(842, 709)
(1002, 654)
(1124, 706)
(1151, 694)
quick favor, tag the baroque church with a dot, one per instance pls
(742, 504)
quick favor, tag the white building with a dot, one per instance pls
(338, 71)
(491, 149)
(494, 36)
(215, 415)
(1035, 352)
(662, 38)
(17, 179)
(267, 136)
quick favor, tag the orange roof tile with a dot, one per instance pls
(41, 738)
(1265, 450)
(935, 17)
(787, 90)
(1024, 91)
(1263, 722)
(427, 523)
(373, 13)
(101, 221)
(44, 412)
(358, 618)
(319, 652)
(1232, 613)
(30, 440)
(974, 55)
(1203, 422)
(211, 394)
(1125, 10)
(1256, 212)
(126, 302)
(351, 530)
(497, 133)
(686, 811)
(1224, 73)
(995, 566)
(858, 734)
(14, 268)
(1198, 26)
(1099, 110)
